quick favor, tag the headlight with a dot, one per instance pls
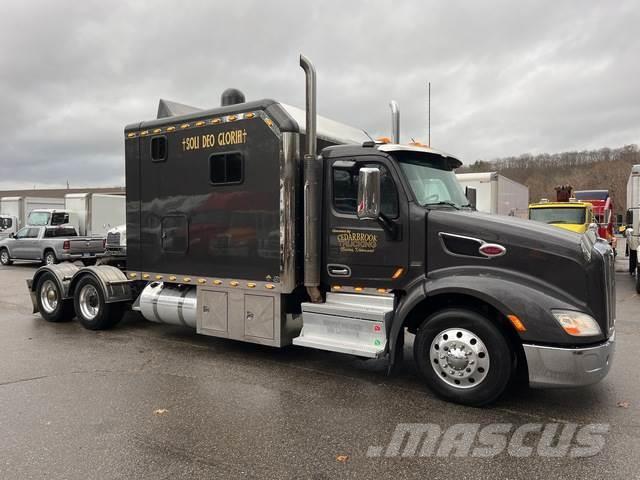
(577, 324)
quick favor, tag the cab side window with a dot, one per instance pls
(345, 190)
(22, 233)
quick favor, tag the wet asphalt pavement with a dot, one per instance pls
(160, 402)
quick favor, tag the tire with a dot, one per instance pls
(49, 258)
(5, 259)
(473, 348)
(91, 310)
(633, 261)
(49, 300)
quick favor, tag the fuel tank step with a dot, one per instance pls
(347, 323)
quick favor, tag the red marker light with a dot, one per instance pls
(492, 250)
(377, 328)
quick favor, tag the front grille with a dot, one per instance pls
(610, 289)
(113, 238)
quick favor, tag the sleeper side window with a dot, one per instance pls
(345, 190)
(159, 148)
(226, 168)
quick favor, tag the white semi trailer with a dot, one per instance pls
(633, 221)
(95, 214)
(21, 207)
(497, 194)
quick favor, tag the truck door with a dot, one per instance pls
(362, 253)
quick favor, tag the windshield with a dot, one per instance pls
(38, 219)
(433, 184)
(568, 215)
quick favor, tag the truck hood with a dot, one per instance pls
(549, 256)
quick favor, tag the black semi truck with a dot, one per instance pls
(259, 222)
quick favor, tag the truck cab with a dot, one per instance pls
(8, 225)
(573, 216)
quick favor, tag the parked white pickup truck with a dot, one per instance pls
(50, 245)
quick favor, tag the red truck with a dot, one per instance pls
(603, 210)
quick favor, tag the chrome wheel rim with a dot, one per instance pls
(49, 296)
(89, 302)
(4, 256)
(49, 259)
(460, 358)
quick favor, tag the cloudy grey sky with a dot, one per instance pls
(507, 77)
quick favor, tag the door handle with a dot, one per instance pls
(339, 270)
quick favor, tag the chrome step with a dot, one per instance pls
(347, 323)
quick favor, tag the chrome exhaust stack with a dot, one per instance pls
(311, 189)
(395, 121)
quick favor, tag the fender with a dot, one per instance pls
(114, 283)
(508, 296)
(62, 275)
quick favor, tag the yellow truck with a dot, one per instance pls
(573, 216)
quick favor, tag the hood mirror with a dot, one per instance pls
(369, 194)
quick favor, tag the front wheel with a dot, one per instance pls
(5, 259)
(51, 305)
(91, 309)
(463, 356)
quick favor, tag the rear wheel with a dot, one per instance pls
(5, 259)
(49, 258)
(463, 356)
(91, 309)
(51, 305)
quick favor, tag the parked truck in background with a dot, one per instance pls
(496, 193)
(116, 246)
(603, 210)
(8, 225)
(95, 214)
(237, 227)
(21, 207)
(572, 215)
(50, 245)
(632, 232)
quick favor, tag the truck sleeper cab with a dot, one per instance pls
(239, 230)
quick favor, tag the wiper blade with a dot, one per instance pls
(450, 204)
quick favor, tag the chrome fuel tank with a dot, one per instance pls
(172, 304)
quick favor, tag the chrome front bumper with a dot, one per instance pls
(568, 367)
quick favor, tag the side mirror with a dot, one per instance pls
(470, 193)
(12, 235)
(369, 193)
(593, 227)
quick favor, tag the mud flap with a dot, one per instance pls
(32, 295)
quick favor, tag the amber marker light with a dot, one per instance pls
(201, 281)
(517, 323)
(145, 275)
(336, 287)
(234, 283)
(172, 278)
(158, 277)
(217, 282)
(133, 275)
(269, 286)
(250, 115)
(397, 274)
(358, 289)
